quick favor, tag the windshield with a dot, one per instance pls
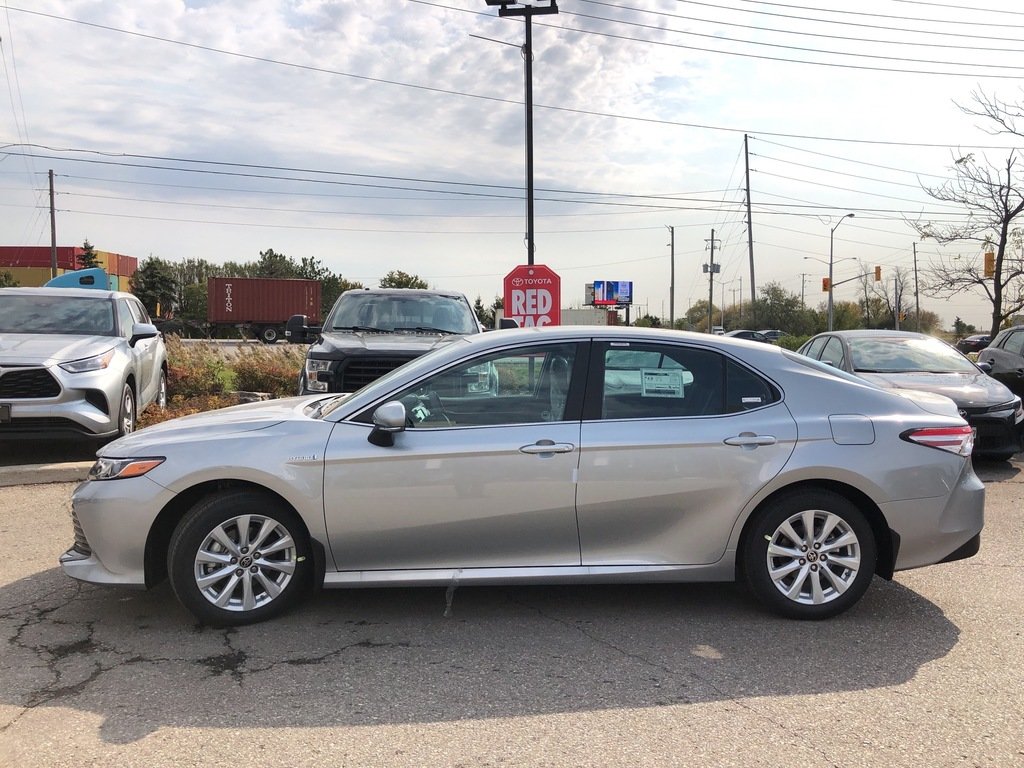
(907, 355)
(73, 315)
(387, 313)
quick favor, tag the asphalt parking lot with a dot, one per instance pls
(925, 671)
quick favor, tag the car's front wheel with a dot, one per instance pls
(161, 392)
(126, 411)
(809, 555)
(239, 557)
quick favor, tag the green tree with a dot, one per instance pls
(7, 280)
(273, 264)
(155, 286)
(697, 315)
(483, 314)
(396, 278)
(648, 321)
(87, 259)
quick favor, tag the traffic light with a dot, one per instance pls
(825, 284)
(990, 264)
(878, 274)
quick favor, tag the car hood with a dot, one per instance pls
(386, 343)
(209, 425)
(966, 389)
(49, 348)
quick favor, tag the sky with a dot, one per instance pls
(390, 135)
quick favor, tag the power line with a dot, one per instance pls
(756, 28)
(570, 110)
(800, 49)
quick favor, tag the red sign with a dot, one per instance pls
(533, 296)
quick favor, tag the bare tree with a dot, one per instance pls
(993, 196)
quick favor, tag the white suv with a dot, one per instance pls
(76, 362)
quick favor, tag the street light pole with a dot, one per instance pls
(527, 12)
(831, 255)
(672, 277)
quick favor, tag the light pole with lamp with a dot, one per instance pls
(831, 251)
(829, 264)
(527, 11)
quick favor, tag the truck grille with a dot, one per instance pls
(27, 383)
(358, 372)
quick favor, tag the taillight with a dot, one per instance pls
(958, 440)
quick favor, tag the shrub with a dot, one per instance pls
(269, 369)
(200, 376)
(194, 370)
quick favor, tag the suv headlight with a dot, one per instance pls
(313, 368)
(95, 363)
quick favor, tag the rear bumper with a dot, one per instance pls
(941, 529)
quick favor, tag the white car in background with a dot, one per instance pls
(76, 362)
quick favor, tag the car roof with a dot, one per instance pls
(406, 292)
(86, 293)
(877, 333)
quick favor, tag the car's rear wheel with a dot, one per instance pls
(126, 412)
(239, 557)
(809, 555)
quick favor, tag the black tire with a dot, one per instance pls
(126, 411)
(1006, 456)
(785, 578)
(161, 392)
(251, 585)
(268, 334)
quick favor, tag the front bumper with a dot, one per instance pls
(112, 521)
(998, 433)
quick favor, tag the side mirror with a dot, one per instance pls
(508, 322)
(388, 420)
(142, 331)
(986, 367)
(298, 331)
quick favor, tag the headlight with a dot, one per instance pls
(97, 363)
(314, 367)
(1018, 411)
(119, 469)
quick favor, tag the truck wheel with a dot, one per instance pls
(268, 334)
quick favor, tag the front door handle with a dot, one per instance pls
(749, 440)
(547, 447)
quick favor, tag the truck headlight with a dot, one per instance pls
(313, 369)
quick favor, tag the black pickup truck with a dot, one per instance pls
(370, 332)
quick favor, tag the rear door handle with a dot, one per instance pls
(547, 447)
(750, 440)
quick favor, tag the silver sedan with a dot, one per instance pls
(542, 455)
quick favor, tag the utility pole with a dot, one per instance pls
(53, 232)
(803, 286)
(750, 236)
(672, 278)
(917, 296)
(527, 12)
(711, 269)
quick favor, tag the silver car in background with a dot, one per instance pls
(600, 455)
(76, 362)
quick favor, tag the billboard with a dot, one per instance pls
(613, 293)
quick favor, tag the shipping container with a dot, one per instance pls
(261, 305)
(38, 256)
(30, 277)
